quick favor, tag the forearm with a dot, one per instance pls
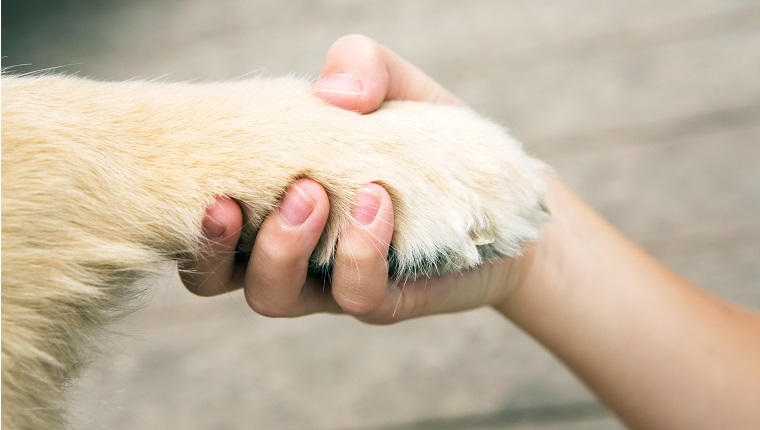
(659, 351)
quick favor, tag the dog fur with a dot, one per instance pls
(102, 182)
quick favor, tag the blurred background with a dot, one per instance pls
(649, 109)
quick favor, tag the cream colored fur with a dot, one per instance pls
(101, 182)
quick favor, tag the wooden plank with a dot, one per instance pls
(322, 372)
(695, 184)
(554, 101)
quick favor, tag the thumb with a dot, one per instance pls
(359, 74)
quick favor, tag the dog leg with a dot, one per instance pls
(103, 181)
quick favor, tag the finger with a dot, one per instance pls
(277, 271)
(359, 74)
(360, 275)
(212, 273)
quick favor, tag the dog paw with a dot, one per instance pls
(463, 190)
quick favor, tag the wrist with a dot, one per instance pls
(540, 264)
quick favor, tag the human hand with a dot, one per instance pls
(359, 74)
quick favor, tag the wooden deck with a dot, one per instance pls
(649, 109)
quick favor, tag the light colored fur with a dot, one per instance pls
(101, 182)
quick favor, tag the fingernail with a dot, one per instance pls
(212, 228)
(367, 204)
(340, 83)
(296, 206)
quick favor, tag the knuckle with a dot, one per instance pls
(361, 250)
(200, 282)
(360, 275)
(273, 252)
(360, 257)
(201, 289)
(358, 305)
(264, 307)
(357, 296)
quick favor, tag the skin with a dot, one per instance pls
(660, 352)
